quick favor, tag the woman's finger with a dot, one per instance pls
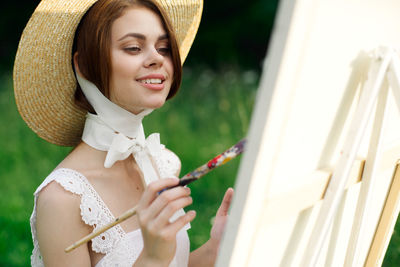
(173, 228)
(153, 188)
(161, 201)
(170, 209)
(226, 203)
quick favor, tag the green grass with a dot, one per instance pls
(210, 113)
(25, 160)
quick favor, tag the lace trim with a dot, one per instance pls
(95, 213)
(168, 163)
(125, 253)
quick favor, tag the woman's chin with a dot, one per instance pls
(156, 104)
(149, 105)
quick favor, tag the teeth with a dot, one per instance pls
(151, 81)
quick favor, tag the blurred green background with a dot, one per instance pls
(210, 113)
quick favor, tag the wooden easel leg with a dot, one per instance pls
(368, 184)
(386, 223)
(340, 176)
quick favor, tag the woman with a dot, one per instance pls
(127, 63)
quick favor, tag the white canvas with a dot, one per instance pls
(317, 62)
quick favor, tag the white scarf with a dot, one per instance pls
(119, 132)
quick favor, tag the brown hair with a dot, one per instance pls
(92, 42)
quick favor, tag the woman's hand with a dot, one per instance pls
(154, 212)
(207, 253)
(221, 217)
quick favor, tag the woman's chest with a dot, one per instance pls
(119, 192)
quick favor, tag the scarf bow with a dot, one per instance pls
(119, 132)
(121, 147)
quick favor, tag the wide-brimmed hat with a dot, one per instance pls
(44, 80)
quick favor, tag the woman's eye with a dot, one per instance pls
(164, 50)
(132, 49)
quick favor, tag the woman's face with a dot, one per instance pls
(141, 65)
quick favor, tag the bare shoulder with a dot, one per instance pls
(53, 197)
(59, 224)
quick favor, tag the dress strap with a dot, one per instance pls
(94, 211)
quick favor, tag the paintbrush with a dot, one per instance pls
(192, 176)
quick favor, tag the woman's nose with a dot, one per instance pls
(153, 58)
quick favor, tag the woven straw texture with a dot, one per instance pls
(44, 81)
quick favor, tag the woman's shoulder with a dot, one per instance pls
(57, 218)
(62, 180)
(57, 206)
(54, 196)
(62, 189)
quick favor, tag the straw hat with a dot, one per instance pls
(44, 81)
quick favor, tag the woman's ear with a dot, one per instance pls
(76, 65)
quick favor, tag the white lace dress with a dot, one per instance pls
(120, 248)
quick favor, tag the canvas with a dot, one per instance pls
(317, 66)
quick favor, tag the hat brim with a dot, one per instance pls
(44, 81)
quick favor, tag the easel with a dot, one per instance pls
(317, 210)
(312, 81)
(385, 64)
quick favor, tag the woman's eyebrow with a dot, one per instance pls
(163, 37)
(141, 36)
(133, 34)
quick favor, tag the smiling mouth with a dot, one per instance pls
(156, 84)
(151, 81)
